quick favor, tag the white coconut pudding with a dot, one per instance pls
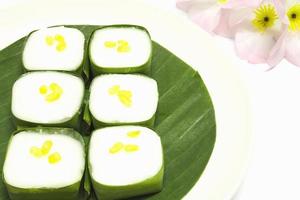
(123, 99)
(47, 97)
(44, 162)
(120, 49)
(55, 48)
(125, 161)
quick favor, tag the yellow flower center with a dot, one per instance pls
(222, 1)
(265, 17)
(293, 15)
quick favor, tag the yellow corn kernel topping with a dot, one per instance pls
(44, 150)
(110, 44)
(54, 158)
(61, 46)
(43, 89)
(123, 49)
(133, 134)
(117, 147)
(59, 38)
(125, 97)
(51, 93)
(52, 97)
(114, 90)
(131, 148)
(36, 152)
(123, 43)
(49, 40)
(46, 147)
(122, 46)
(54, 87)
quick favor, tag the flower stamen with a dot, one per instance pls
(222, 1)
(265, 17)
(293, 15)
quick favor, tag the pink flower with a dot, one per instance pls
(257, 30)
(265, 31)
(288, 44)
(212, 15)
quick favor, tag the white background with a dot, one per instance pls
(274, 171)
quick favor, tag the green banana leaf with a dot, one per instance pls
(185, 118)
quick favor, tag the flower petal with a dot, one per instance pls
(292, 50)
(281, 10)
(278, 51)
(204, 13)
(223, 28)
(185, 5)
(254, 46)
(239, 15)
(242, 3)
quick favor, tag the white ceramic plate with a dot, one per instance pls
(227, 164)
